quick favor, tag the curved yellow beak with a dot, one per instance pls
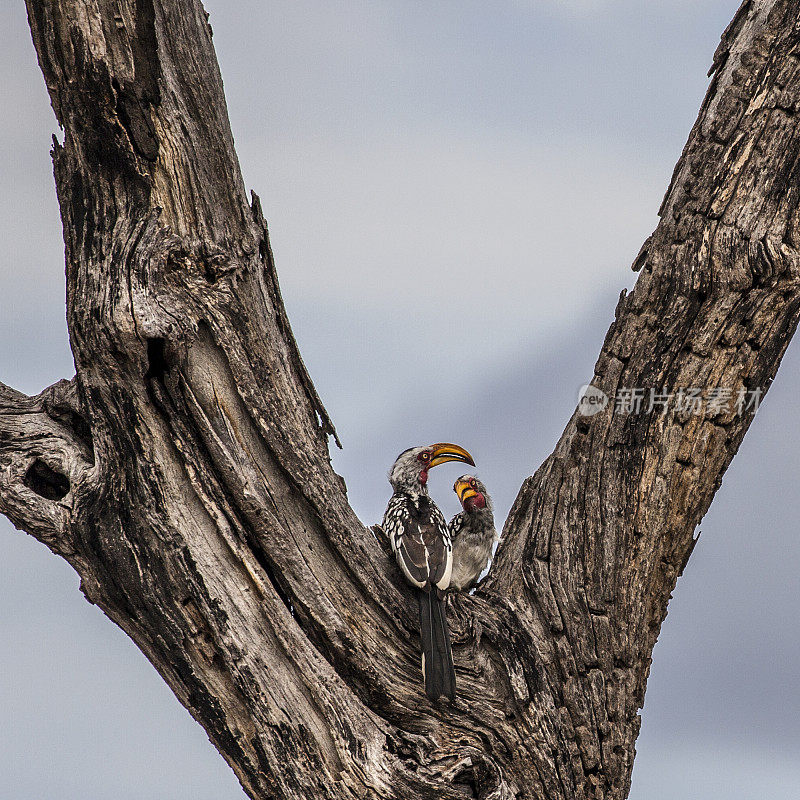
(464, 490)
(444, 451)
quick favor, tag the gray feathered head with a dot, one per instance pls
(410, 471)
(472, 494)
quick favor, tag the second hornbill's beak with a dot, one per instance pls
(464, 490)
(444, 451)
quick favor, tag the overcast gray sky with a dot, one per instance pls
(503, 161)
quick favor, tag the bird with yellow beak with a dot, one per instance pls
(422, 546)
(472, 532)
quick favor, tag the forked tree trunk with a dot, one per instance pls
(184, 472)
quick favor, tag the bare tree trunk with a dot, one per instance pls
(184, 472)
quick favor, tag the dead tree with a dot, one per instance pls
(184, 472)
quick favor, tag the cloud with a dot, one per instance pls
(592, 8)
(472, 231)
(569, 7)
(455, 193)
(701, 770)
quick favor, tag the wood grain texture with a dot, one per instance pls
(185, 475)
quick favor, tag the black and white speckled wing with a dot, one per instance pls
(420, 540)
(441, 547)
(456, 525)
(398, 526)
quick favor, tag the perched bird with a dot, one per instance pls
(421, 543)
(472, 532)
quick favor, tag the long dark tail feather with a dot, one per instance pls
(437, 657)
(426, 642)
(445, 653)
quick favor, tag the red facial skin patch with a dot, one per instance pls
(478, 501)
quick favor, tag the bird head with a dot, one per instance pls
(410, 471)
(472, 494)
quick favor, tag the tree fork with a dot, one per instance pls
(184, 472)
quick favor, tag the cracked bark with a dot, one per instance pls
(184, 472)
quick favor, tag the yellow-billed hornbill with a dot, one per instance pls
(421, 543)
(472, 532)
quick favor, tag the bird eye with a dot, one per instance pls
(424, 456)
(472, 483)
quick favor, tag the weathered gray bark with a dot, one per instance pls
(184, 472)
